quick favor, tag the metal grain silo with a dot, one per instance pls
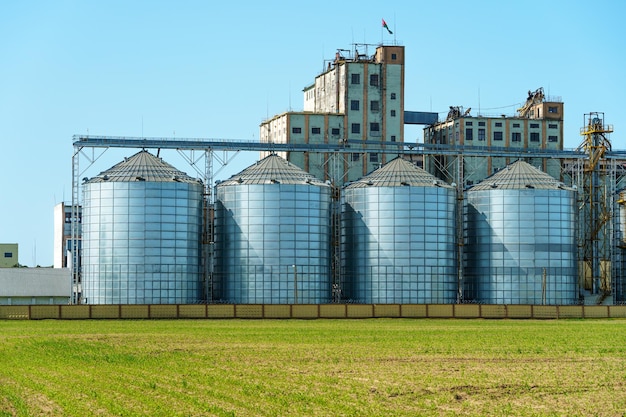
(520, 239)
(141, 234)
(272, 236)
(399, 237)
(619, 281)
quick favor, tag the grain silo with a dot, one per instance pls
(399, 237)
(141, 234)
(619, 281)
(520, 239)
(272, 236)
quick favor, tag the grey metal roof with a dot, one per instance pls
(397, 173)
(273, 170)
(143, 166)
(520, 175)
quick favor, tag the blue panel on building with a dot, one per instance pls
(420, 118)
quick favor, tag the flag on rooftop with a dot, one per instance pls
(387, 27)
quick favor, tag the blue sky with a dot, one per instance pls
(206, 70)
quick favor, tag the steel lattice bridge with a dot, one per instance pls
(349, 146)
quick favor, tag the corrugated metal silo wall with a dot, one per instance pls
(399, 245)
(272, 244)
(141, 243)
(520, 247)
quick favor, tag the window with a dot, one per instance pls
(374, 127)
(497, 135)
(393, 96)
(553, 109)
(315, 130)
(334, 131)
(469, 123)
(481, 134)
(356, 157)
(374, 105)
(394, 57)
(553, 126)
(356, 128)
(498, 124)
(393, 113)
(534, 125)
(356, 78)
(534, 136)
(481, 123)
(393, 138)
(354, 104)
(469, 134)
(553, 138)
(516, 137)
(374, 80)
(296, 130)
(373, 157)
(515, 124)
(8, 254)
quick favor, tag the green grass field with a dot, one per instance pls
(372, 367)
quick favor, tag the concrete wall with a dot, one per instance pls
(309, 311)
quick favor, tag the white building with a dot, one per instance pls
(63, 234)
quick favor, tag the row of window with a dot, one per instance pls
(355, 79)
(355, 105)
(373, 157)
(499, 124)
(335, 131)
(356, 128)
(515, 136)
(374, 79)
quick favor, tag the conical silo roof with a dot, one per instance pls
(396, 173)
(143, 166)
(272, 170)
(520, 175)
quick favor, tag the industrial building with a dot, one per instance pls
(63, 244)
(357, 99)
(338, 211)
(538, 124)
(34, 286)
(9, 253)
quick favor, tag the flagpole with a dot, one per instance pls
(394, 29)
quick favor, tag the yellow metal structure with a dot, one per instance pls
(595, 206)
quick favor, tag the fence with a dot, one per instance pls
(308, 311)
